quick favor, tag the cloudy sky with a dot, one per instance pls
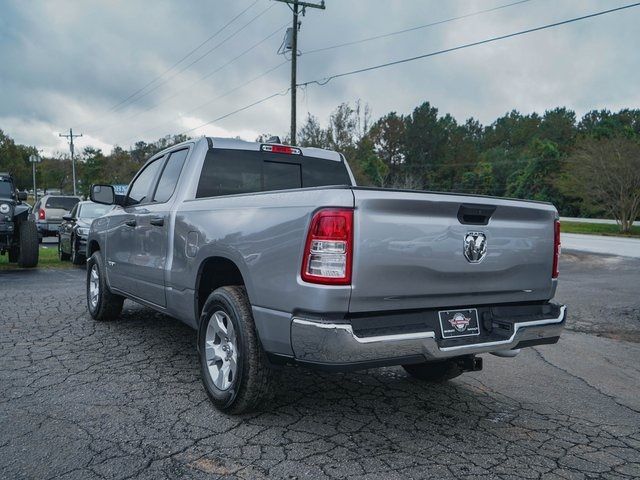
(106, 68)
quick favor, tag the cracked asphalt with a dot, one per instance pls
(86, 400)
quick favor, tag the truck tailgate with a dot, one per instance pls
(409, 251)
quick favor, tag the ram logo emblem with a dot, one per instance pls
(475, 246)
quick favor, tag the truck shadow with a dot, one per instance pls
(379, 395)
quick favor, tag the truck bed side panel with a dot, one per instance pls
(264, 235)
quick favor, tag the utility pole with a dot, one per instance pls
(71, 136)
(294, 5)
(34, 159)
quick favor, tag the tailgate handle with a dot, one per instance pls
(475, 214)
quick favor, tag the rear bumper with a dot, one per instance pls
(336, 344)
(48, 229)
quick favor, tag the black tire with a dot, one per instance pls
(439, 371)
(108, 305)
(13, 255)
(62, 255)
(252, 381)
(29, 246)
(76, 257)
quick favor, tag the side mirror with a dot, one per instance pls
(68, 218)
(104, 194)
(22, 196)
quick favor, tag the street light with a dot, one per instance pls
(34, 159)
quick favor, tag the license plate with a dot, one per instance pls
(459, 323)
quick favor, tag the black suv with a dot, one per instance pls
(18, 231)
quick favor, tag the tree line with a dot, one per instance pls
(587, 166)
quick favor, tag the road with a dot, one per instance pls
(608, 245)
(603, 221)
(86, 400)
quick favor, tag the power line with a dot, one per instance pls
(246, 107)
(325, 80)
(191, 52)
(412, 29)
(208, 75)
(228, 92)
(208, 52)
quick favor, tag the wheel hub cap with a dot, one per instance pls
(220, 350)
(94, 286)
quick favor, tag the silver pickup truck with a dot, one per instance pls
(275, 256)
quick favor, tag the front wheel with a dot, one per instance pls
(440, 371)
(233, 365)
(61, 254)
(76, 257)
(102, 303)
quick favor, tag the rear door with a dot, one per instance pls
(410, 251)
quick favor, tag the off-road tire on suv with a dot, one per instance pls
(29, 247)
(107, 305)
(61, 255)
(13, 255)
(252, 382)
(439, 371)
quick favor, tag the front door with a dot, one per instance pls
(131, 245)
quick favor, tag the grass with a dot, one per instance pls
(598, 229)
(48, 259)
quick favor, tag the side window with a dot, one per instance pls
(75, 211)
(170, 175)
(227, 172)
(140, 187)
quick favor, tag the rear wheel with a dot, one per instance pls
(234, 367)
(440, 371)
(29, 248)
(102, 303)
(13, 254)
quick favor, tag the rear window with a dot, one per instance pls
(229, 172)
(63, 203)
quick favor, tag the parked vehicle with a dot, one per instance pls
(18, 232)
(275, 256)
(74, 229)
(48, 212)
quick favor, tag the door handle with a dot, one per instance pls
(131, 223)
(157, 221)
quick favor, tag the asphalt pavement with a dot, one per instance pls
(86, 400)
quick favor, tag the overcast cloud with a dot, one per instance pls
(66, 63)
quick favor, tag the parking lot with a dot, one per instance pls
(86, 400)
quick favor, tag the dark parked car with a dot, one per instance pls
(72, 235)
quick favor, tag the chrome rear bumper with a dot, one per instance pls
(319, 342)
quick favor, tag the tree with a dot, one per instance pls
(605, 172)
(387, 138)
(311, 134)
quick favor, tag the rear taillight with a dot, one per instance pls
(41, 214)
(328, 251)
(556, 249)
